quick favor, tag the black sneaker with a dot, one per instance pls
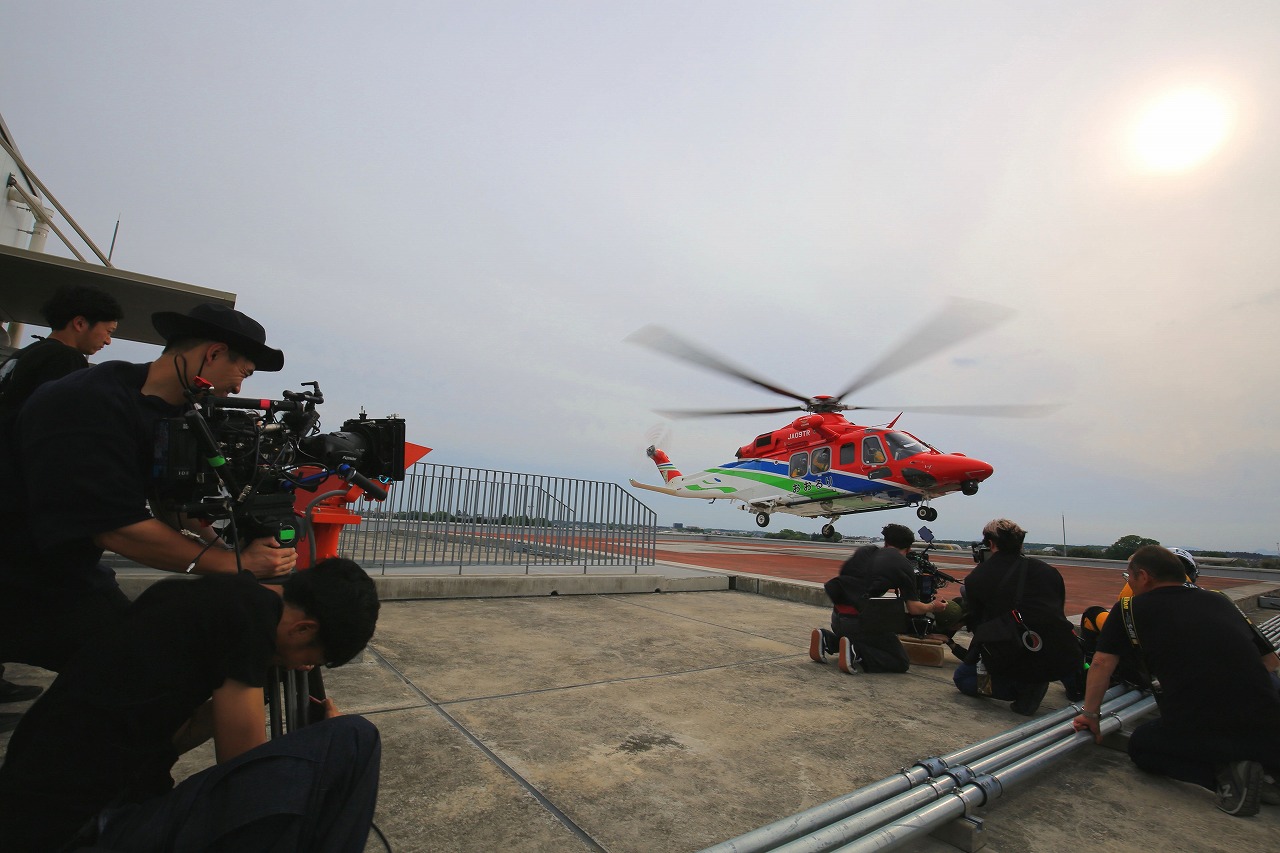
(1029, 699)
(10, 692)
(848, 660)
(1240, 788)
(817, 647)
(1270, 790)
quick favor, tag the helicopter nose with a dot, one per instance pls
(961, 467)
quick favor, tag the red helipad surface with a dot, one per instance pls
(1086, 585)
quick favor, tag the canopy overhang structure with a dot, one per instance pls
(28, 279)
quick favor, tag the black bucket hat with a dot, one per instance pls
(215, 322)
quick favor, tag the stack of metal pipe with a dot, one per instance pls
(934, 791)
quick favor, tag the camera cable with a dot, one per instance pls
(191, 567)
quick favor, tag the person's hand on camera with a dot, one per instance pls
(267, 558)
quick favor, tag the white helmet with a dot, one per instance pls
(1188, 563)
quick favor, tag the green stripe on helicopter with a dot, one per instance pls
(726, 489)
(785, 484)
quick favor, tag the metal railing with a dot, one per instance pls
(445, 515)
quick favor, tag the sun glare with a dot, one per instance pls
(1180, 130)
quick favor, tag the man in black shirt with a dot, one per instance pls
(858, 636)
(91, 760)
(81, 321)
(1045, 649)
(78, 473)
(1219, 723)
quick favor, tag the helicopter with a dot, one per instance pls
(822, 465)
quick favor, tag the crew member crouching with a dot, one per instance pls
(90, 762)
(857, 635)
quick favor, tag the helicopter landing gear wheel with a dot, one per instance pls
(927, 513)
(969, 487)
(762, 519)
(828, 531)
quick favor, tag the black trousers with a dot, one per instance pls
(878, 651)
(314, 790)
(1157, 748)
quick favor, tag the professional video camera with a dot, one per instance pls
(929, 579)
(243, 460)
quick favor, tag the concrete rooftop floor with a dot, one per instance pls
(642, 721)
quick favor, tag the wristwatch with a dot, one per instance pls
(1091, 715)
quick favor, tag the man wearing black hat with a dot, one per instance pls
(78, 474)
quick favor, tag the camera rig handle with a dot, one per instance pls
(372, 488)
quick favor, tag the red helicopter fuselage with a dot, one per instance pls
(817, 443)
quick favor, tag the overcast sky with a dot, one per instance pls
(457, 211)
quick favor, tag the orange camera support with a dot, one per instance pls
(330, 515)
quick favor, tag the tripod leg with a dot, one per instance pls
(315, 696)
(273, 701)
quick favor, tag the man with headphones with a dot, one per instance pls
(78, 469)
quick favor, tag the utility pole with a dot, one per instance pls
(1064, 535)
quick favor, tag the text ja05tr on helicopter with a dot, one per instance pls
(821, 465)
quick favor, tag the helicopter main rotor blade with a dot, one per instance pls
(960, 320)
(712, 413)
(660, 340)
(1033, 410)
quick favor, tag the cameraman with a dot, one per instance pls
(1018, 669)
(869, 573)
(79, 467)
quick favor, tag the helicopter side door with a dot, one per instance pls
(874, 459)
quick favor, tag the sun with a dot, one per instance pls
(1181, 129)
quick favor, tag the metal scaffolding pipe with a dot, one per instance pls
(954, 777)
(796, 826)
(42, 216)
(39, 184)
(985, 788)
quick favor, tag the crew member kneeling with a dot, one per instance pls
(858, 636)
(1219, 724)
(89, 764)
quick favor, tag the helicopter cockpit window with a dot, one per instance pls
(821, 462)
(902, 445)
(872, 452)
(799, 465)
